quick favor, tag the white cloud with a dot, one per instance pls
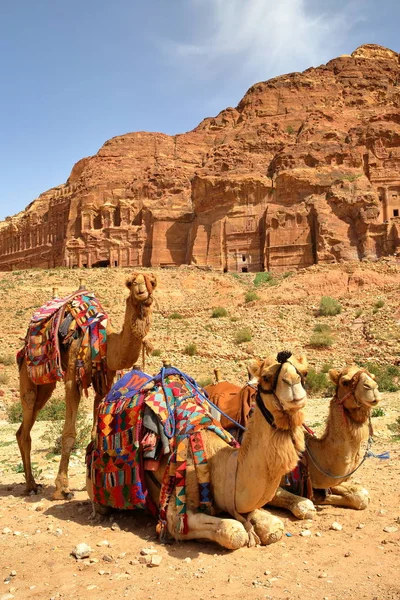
(261, 38)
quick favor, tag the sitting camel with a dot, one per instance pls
(331, 459)
(334, 457)
(122, 352)
(242, 480)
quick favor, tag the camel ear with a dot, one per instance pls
(372, 376)
(152, 280)
(255, 368)
(301, 358)
(334, 375)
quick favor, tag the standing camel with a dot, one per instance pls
(122, 352)
(331, 459)
(245, 479)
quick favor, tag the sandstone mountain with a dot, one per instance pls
(305, 170)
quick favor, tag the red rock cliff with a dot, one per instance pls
(305, 169)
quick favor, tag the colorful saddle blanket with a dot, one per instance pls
(83, 317)
(115, 458)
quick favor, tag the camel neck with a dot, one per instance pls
(123, 348)
(266, 454)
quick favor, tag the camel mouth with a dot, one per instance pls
(299, 402)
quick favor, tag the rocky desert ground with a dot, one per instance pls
(361, 560)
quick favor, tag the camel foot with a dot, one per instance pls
(63, 495)
(304, 509)
(268, 527)
(33, 489)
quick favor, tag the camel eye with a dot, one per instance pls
(266, 378)
(345, 382)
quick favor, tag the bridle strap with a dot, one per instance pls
(268, 416)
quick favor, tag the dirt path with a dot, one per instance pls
(38, 535)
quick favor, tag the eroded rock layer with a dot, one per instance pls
(306, 169)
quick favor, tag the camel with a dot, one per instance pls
(245, 479)
(331, 459)
(334, 457)
(123, 350)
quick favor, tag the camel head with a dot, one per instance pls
(141, 287)
(281, 382)
(355, 387)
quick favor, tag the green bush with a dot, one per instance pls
(53, 433)
(387, 376)
(290, 130)
(234, 319)
(54, 410)
(4, 378)
(203, 382)
(378, 412)
(190, 349)
(318, 383)
(321, 340)
(243, 335)
(263, 277)
(175, 315)
(322, 328)
(251, 296)
(7, 359)
(358, 313)
(326, 367)
(218, 312)
(329, 307)
(156, 352)
(379, 304)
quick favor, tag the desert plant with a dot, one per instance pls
(329, 307)
(4, 378)
(54, 410)
(326, 367)
(318, 383)
(290, 130)
(378, 412)
(175, 315)
(379, 303)
(243, 335)
(262, 277)
(53, 433)
(156, 352)
(7, 359)
(387, 376)
(321, 340)
(203, 381)
(218, 312)
(358, 313)
(322, 328)
(251, 296)
(234, 319)
(190, 349)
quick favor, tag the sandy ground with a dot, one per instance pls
(360, 561)
(38, 535)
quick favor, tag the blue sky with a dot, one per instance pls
(75, 73)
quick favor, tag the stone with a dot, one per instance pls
(108, 558)
(361, 526)
(6, 530)
(104, 543)
(155, 560)
(7, 597)
(147, 551)
(314, 180)
(390, 529)
(115, 527)
(336, 526)
(81, 551)
(305, 533)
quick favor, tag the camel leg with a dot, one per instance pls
(302, 508)
(72, 399)
(349, 495)
(33, 399)
(97, 399)
(228, 533)
(268, 527)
